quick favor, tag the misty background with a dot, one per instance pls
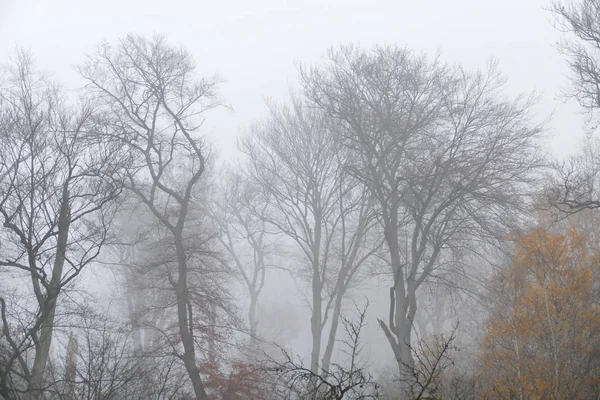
(257, 48)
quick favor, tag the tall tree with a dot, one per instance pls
(312, 200)
(154, 104)
(580, 19)
(445, 156)
(576, 183)
(240, 217)
(59, 185)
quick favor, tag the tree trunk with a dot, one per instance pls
(399, 330)
(212, 334)
(133, 317)
(252, 317)
(438, 324)
(185, 329)
(316, 321)
(335, 321)
(71, 367)
(253, 322)
(316, 326)
(406, 327)
(48, 308)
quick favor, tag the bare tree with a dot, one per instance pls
(154, 104)
(293, 157)
(434, 374)
(580, 19)
(437, 303)
(101, 363)
(240, 216)
(142, 263)
(355, 244)
(575, 182)
(432, 358)
(444, 155)
(59, 185)
(348, 380)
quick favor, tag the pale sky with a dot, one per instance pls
(255, 45)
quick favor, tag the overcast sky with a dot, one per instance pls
(255, 45)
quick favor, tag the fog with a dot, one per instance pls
(299, 200)
(255, 46)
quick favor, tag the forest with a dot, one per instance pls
(410, 201)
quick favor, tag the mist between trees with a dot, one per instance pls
(133, 265)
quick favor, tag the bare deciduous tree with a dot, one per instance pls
(446, 157)
(101, 363)
(294, 158)
(575, 186)
(240, 216)
(432, 358)
(154, 104)
(581, 20)
(59, 183)
(348, 380)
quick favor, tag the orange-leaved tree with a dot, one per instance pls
(543, 337)
(238, 381)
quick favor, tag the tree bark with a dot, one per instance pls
(399, 331)
(48, 308)
(316, 321)
(335, 321)
(316, 325)
(184, 321)
(252, 316)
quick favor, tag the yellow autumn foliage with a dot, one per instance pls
(543, 337)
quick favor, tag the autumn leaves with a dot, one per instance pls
(544, 329)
